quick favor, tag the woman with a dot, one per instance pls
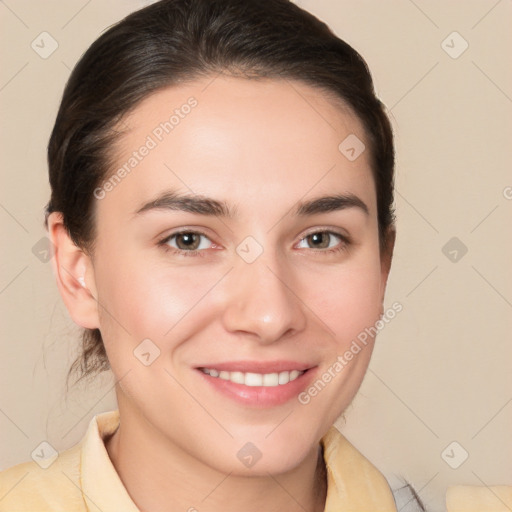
(222, 217)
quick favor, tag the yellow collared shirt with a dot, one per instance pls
(83, 479)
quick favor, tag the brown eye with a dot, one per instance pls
(322, 240)
(188, 241)
(319, 240)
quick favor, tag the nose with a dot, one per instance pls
(261, 301)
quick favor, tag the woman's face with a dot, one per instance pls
(268, 285)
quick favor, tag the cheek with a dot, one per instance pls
(350, 299)
(349, 303)
(147, 299)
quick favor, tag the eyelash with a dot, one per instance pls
(343, 246)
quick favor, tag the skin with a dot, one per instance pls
(260, 146)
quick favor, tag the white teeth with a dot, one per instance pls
(255, 379)
(284, 377)
(270, 379)
(294, 374)
(237, 377)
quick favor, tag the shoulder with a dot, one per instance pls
(472, 498)
(64, 482)
(29, 486)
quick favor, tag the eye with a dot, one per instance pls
(189, 242)
(324, 240)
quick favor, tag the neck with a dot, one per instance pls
(157, 473)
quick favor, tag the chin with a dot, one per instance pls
(252, 451)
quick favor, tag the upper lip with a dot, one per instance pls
(258, 366)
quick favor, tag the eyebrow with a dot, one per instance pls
(202, 205)
(332, 203)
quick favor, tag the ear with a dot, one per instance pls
(74, 273)
(386, 257)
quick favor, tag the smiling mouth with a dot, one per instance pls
(269, 380)
(258, 384)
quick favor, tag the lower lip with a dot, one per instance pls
(260, 396)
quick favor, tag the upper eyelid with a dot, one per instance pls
(181, 231)
(334, 231)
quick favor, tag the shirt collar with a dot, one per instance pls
(101, 485)
(353, 483)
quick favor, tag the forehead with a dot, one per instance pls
(246, 138)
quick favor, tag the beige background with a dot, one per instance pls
(441, 370)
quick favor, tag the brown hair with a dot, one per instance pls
(176, 41)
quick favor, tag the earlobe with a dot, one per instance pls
(74, 274)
